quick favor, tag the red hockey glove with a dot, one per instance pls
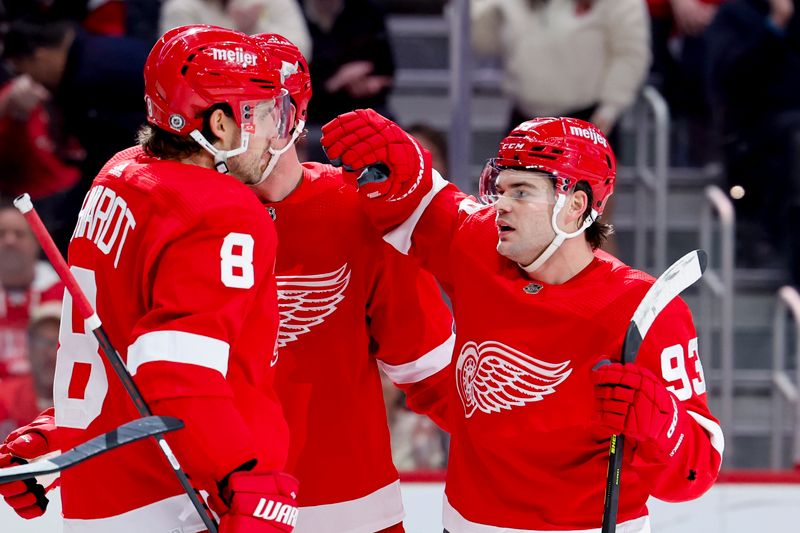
(261, 503)
(632, 401)
(391, 163)
(27, 497)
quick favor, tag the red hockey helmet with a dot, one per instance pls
(192, 68)
(294, 70)
(569, 149)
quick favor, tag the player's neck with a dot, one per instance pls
(282, 181)
(567, 262)
(200, 159)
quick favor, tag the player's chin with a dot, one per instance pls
(505, 248)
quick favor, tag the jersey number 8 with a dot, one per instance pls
(236, 255)
(81, 384)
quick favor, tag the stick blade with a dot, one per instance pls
(133, 431)
(138, 429)
(683, 273)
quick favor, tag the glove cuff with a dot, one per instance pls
(673, 437)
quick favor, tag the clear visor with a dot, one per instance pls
(523, 185)
(268, 119)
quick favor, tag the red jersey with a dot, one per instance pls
(178, 260)
(349, 305)
(15, 310)
(525, 453)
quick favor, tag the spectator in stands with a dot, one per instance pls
(25, 285)
(249, 16)
(34, 156)
(22, 397)
(754, 48)
(433, 141)
(96, 84)
(678, 71)
(45, 320)
(352, 64)
(584, 59)
(133, 18)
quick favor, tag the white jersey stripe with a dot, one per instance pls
(165, 516)
(424, 367)
(370, 513)
(455, 523)
(400, 237)
(179, 347)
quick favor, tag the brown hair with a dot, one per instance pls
(597, 232)
(165, 145)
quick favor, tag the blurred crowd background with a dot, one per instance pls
(71, 95)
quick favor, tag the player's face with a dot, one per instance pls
(524, 206)
(266, 126)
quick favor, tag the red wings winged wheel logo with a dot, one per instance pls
(492, 377)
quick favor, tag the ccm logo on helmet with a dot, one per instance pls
(512, 146)
(588, 133)
(237, 56)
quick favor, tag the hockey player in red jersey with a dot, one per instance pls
(176, 254)
(349, 305)
(537, 304)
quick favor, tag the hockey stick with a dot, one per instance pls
(138, 429)
(92, 321)
(683, 272)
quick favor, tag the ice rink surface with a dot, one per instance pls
(727, 508)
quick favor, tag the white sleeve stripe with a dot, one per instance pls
(400, 237)
(179, 347)
(422, 368)
(713, 429)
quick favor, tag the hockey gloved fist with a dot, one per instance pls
(28, 498)
(388, 161)
(632, 401)
(260, 503)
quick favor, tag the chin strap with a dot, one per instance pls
(561, 235)
(220, 156)
(276, 154)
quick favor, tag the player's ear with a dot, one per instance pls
(221, 125)
(576, 206)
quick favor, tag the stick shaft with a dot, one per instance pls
(611, 504)
(680, 275)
